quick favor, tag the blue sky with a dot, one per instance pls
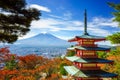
(65, 18)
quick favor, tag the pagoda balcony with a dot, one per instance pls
(87, 56)
(87, 68)
(87, 45)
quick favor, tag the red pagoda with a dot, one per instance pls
(85, 61)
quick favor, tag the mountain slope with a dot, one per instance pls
(44, 40)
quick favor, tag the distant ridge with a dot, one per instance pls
(43, 39)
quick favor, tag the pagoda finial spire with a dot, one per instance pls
(85, 23)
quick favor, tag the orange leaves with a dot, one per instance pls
(114, 57)
(115, 68)
(5, 55)
(8, 74)
(41, 68)
(30, 61)
(30, 67)
(111, 57)
(23, 78)
(4, 50)
(53, 77)
(13, 72)
(18, 74)
(48, 66)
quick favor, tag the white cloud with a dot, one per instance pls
(107, 43)
(57, 17)
(56, 24)
(46, 23)
(98, 21)
(42, 8)
(65, 16)
(78, 23)
(96, 26)
(65, 38)
(59, 24)
(98, 31)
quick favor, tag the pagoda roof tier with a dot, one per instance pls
(88, 60)
(89, 48)
(91, 37)
(72, 70)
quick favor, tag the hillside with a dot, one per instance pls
(43, 40)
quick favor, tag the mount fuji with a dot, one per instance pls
(43, 40)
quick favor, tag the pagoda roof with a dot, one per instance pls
(88, 73)
(88, 48)
(88, 60)
(98, 38)
(90, 37)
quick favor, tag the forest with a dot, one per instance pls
(31, 67)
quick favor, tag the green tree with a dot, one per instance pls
(117, 13)
(115, 67)
(114, 38)
(102, 54)
(11, 64)
(70, 53)
(62, 70)
(15, 19)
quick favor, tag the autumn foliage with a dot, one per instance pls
(5, 54)
(30, 61)
(115, 66)
(29, 67)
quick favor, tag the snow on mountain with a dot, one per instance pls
(43, 40)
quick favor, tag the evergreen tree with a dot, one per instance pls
(11, 64)
(115, 38)
(117, 13)
(62, 70)
(15, 19)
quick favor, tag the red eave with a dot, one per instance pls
(72, 40)
(78, 38)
